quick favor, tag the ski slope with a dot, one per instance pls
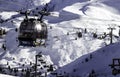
(100, 61)
(2, 75)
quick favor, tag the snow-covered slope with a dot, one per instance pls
(2, 75)
(12, 5)
(86, 11)
(94, 15)
(98, 61)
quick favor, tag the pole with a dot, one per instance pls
(45, 74)
(26, 15)
(111, 34)
(36, 66)
(119, 30)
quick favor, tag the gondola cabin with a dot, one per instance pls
(32, 32)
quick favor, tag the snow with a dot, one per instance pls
(40, 2)
(101, 59)
(2, 75)
(63, 50)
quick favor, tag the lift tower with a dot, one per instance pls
(111, 34)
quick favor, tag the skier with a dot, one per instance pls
(4, 47)
(92, 74)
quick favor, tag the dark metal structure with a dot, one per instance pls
(111, 34)
(115, 66)
(32, 31)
